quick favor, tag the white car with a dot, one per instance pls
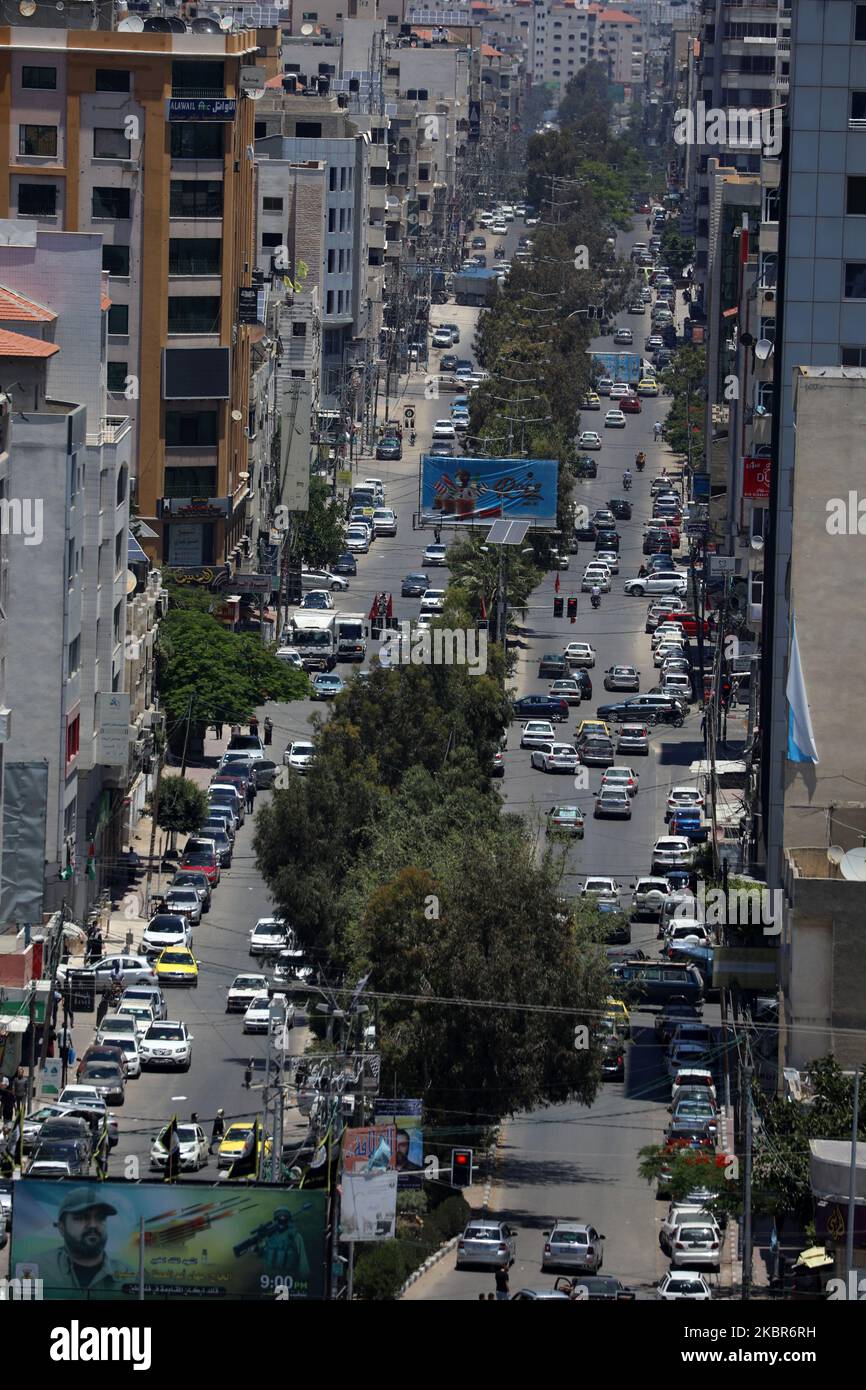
(242, 989)
(688, 933)
(555, 757)
(378, 486)
(609, 558)
(678, 1213)
(600, 888)
(665, 650)
(684, 798)
(596, 577)
(683, 1283)
(80, 1095)
(269, 935)
(499, 229)
(167, 1044)
(433, 601)
(672, 852)
(115, 1026)
(614, 420)
(677, 685)
(140, 1013)
(128, 1043)
(663, 582)
(568, 690)
(589, 439)
(442, 338)
(322, 579)
(537, 733)
(444, 429)
(579, 654)
(696, 1244)
(384, 521)
(435, 554)
(649, 896)
(668, 632)
(157, 935)
(194, 1149)
(257, 1013)
(299, 755)
(358, 540)
(317, 598)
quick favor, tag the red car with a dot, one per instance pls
(201, 855)
(630, 405)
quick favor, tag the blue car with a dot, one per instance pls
(326, 687)
(347, 564)
(690, 824)
(541, 707)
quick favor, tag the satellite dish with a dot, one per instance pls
(763, 348)
(133, 24)
(254, 93)
(307, 29)
(835, 854)
(757, 543)
(131, 582)
(853, 865)
(176, 25)
(237, 415)
(27, 8)
(157, 25)
(205, 26)
(226, 23)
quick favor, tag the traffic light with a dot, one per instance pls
(461, 1167)
(572, 609)
(294, 592)
(557, 607)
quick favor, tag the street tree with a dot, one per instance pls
(181, 806)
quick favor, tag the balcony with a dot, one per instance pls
(185, 93)
(112, 428)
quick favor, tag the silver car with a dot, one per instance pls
(489, 1243)
(573, 1245)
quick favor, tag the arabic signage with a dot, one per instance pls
(254, 583)
(201, 109)
(199, 576)
(200, 1241)
(369, 1150)
(476, 491)
(202, 508)
(248, 304)
(112, 721)
(756, 477)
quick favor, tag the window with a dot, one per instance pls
(194, 313)
(115, 259)
(329, 302)
(855, 276)
(311, 17)
(855, 201)
(272, 204)
(190, 140)
(117, 374)
(39, 79)
(299, 330)
(343, 180)
(37, 199)
(122, 484)
(332, 180)
(191, 429)
(756, 586)
(854, 357)
(196, 198)
(73, 735)
(331, 262)
(74, 656)
(40, 141)
(298, 372)
(379, 176)
(271, 239)
(308, 130)
(111, 80)
(764, 396)
(190, 482)
(771, 204)
(194, 255)
(196, 78)
(111, 202)
(118, 318)
(768, 330)
(109, 143)
(858, 106)
(332, 220)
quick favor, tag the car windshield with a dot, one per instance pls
(100, 1071)
(267, 929)
(176, 958)
(247, 982)
(570, 1237)
(304, 750)
(696, 1233)
(164, 1032)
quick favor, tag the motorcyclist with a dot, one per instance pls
(640, 460)
(595, 596)
(657, 429)
(626, 480)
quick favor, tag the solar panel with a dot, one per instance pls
(507, 532)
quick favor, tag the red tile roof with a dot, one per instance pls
(487, 51)
(15, 307)
(612, 16)
(19, 345)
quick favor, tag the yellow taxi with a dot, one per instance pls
(648, 387)
(592, 401)
(587, 727)
(235, 1143)
(619, 1016)
(176, 965)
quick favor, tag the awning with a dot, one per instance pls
(15, 1015)
(134, 553)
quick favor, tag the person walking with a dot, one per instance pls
(7, 1100)
(254, 726)
(218, 729)
(218, 1130)
(248, 1074)
(251, 795)
(502, 1284)
(269, 730)
(19, 1088)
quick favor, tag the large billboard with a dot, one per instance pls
(190, 1240)
(473, 492)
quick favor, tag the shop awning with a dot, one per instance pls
(15, 1015)
(134, 553)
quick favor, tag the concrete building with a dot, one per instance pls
(565, 37)
(145, 139)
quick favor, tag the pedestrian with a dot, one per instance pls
(269, 729)
(19, 1088)
(218, 1130)
(218, 729)
(251, 795)
(7, 1101)
(483, 1297)
(193, 1119)
(236, 729)
(248, 1074)
(254, 727)
(704, 726)
(491, 1297)
(502, 1283)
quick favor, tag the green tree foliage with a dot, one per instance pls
(684, 379)
(678, 251)
(182, 806)
(475, 571)
(322, 532)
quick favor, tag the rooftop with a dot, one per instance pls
(15, 308)
(19, 345)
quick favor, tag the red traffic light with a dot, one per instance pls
(572, 610)
(461, 1167)
(557, 607)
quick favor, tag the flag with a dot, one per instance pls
(15, 1142)
(556, 586)
(170, 1141)
(801, 739)
(91, 860)
(100, 1153)
(249, 1163)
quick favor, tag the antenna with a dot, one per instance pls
(853, 865)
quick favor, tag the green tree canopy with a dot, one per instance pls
(321, 537)
(182, 806)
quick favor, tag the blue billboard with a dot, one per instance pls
(619, 366)
(473, 492)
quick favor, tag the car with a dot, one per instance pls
(611, 801)
(202, 855)
(579, 654)
(589, 439)
(327, 686)
(141, 1011)
(555, 757)
(553, 664)
(235, 1143)
(696, 1244)
(317, 599)
(591, 728)
(536, 733)
(609, 558)
(310, 579)
(596, 752)
(147, 994)
(167, 1044)
(603, 385)
(358, 539)
(671, 647)
(299, 755)
(242, 989)
(184, 902)
(624, 778)
(621, 678)
(666, 1024)
(443, 429)
(666, 582)
(177, 966)
(672, 851)
(165, 929)
(565, 820)
(197, 881)
(596, 576)
(193, 1148)
(568, 690)
(265, 774)
(432, 600)
(257, 1013)
(683, 797)
(591, 401)
(691, 1079)
(636, 306)
(614, 420)
(572, 1245)
(62, 1158)
(102, 1052)
(489, 1244)
(630, 405)
(633, 738)
(620, 508)
(541, 706)
(389, 447)
(595, 887)
(454, 330)
(698, 1108)
(623, 335)
(648, 386)
(106, 1076)
(585, 468)
(683, 1284)
(345, 564)
(441, 449)
(442, 338)
(448, 362)
(384, 521)
(648, 896)
(220, 840)
(435, 553)
(653, 342)
(269, 935)
(498, 768)
(618, 390)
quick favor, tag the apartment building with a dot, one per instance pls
(147, 139)
(565, 37)
(68, 752)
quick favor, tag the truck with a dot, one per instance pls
(313, 637)
(475, 287)
(351, 635)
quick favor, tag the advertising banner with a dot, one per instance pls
(756, 477)
(84, 1240)
(370, 1150)
(405, 1115)
(368, 1206)
(473, 492)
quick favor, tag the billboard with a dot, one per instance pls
(756, 477)
(405, 1115)
(619, 366)
(474, 492)
(368, 1206)
(84, 1240)
(370, 1150)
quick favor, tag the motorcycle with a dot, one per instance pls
(640, 465)
(499, 253)
(595, 600)
(626, 482)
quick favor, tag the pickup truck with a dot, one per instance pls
(691, 824)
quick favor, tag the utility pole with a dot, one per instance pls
(747, 1188)
(852, 1183)
(277, 1023)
